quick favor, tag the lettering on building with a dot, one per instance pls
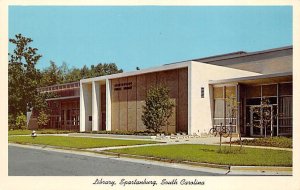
(123, 86)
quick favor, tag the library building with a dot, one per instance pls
(259, 82)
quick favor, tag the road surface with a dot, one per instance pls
(35, 162)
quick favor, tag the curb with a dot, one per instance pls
(261, 168)
(202, 164)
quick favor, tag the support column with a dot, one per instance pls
(95, 105)
(82, 109)
(85, 107)
(108, 105)
(190, 99)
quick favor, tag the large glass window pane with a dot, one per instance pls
(231, 108)
(230, 91)
(253, 101)
(219, 108)
(285, 115)
(286, 106)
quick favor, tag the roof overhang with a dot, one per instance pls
(258, 79)
(63, 98)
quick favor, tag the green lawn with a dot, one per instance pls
(75, 142)
(282, 142)
(209, 154)
(41, 131)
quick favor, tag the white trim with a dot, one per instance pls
(139, 72)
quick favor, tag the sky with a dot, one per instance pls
(147, 36)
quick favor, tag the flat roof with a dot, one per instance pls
(239, 54)
(56, 87)
(170, 66)
(138, 72)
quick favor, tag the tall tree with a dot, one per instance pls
(23, 77)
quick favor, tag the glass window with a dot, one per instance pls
(218, 92)
(231, 108)
(230, 91)
(202, 92)
(253, 101)
(219, 108)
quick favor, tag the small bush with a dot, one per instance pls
(140, 133)
(21, 121)
(42, 119)
(232, 150)
(281, 142)
(11, 122)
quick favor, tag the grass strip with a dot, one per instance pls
(41, 131)
(210, 154)
(75, 142)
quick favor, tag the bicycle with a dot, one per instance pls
(213, 131)
(225, 131)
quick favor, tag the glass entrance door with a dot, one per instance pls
(261, 120)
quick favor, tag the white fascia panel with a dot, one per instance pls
(200, 110)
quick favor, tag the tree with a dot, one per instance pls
(23, 77)
(157, 109)
(267, 115)
(231, 113)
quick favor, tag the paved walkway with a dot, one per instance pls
(201, 140)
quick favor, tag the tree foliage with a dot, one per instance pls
(23, 77)
(63, 74)
(51, 75)
(158, 108)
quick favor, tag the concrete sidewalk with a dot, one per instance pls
(167, 141)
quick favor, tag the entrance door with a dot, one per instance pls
(261, 120)
(103, 124)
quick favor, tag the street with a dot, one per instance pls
(34, 162)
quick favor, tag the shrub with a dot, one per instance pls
(43, 119)
(141, 133)
(21, 121)
(11, 122)
(282, 142)
(158, 108)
